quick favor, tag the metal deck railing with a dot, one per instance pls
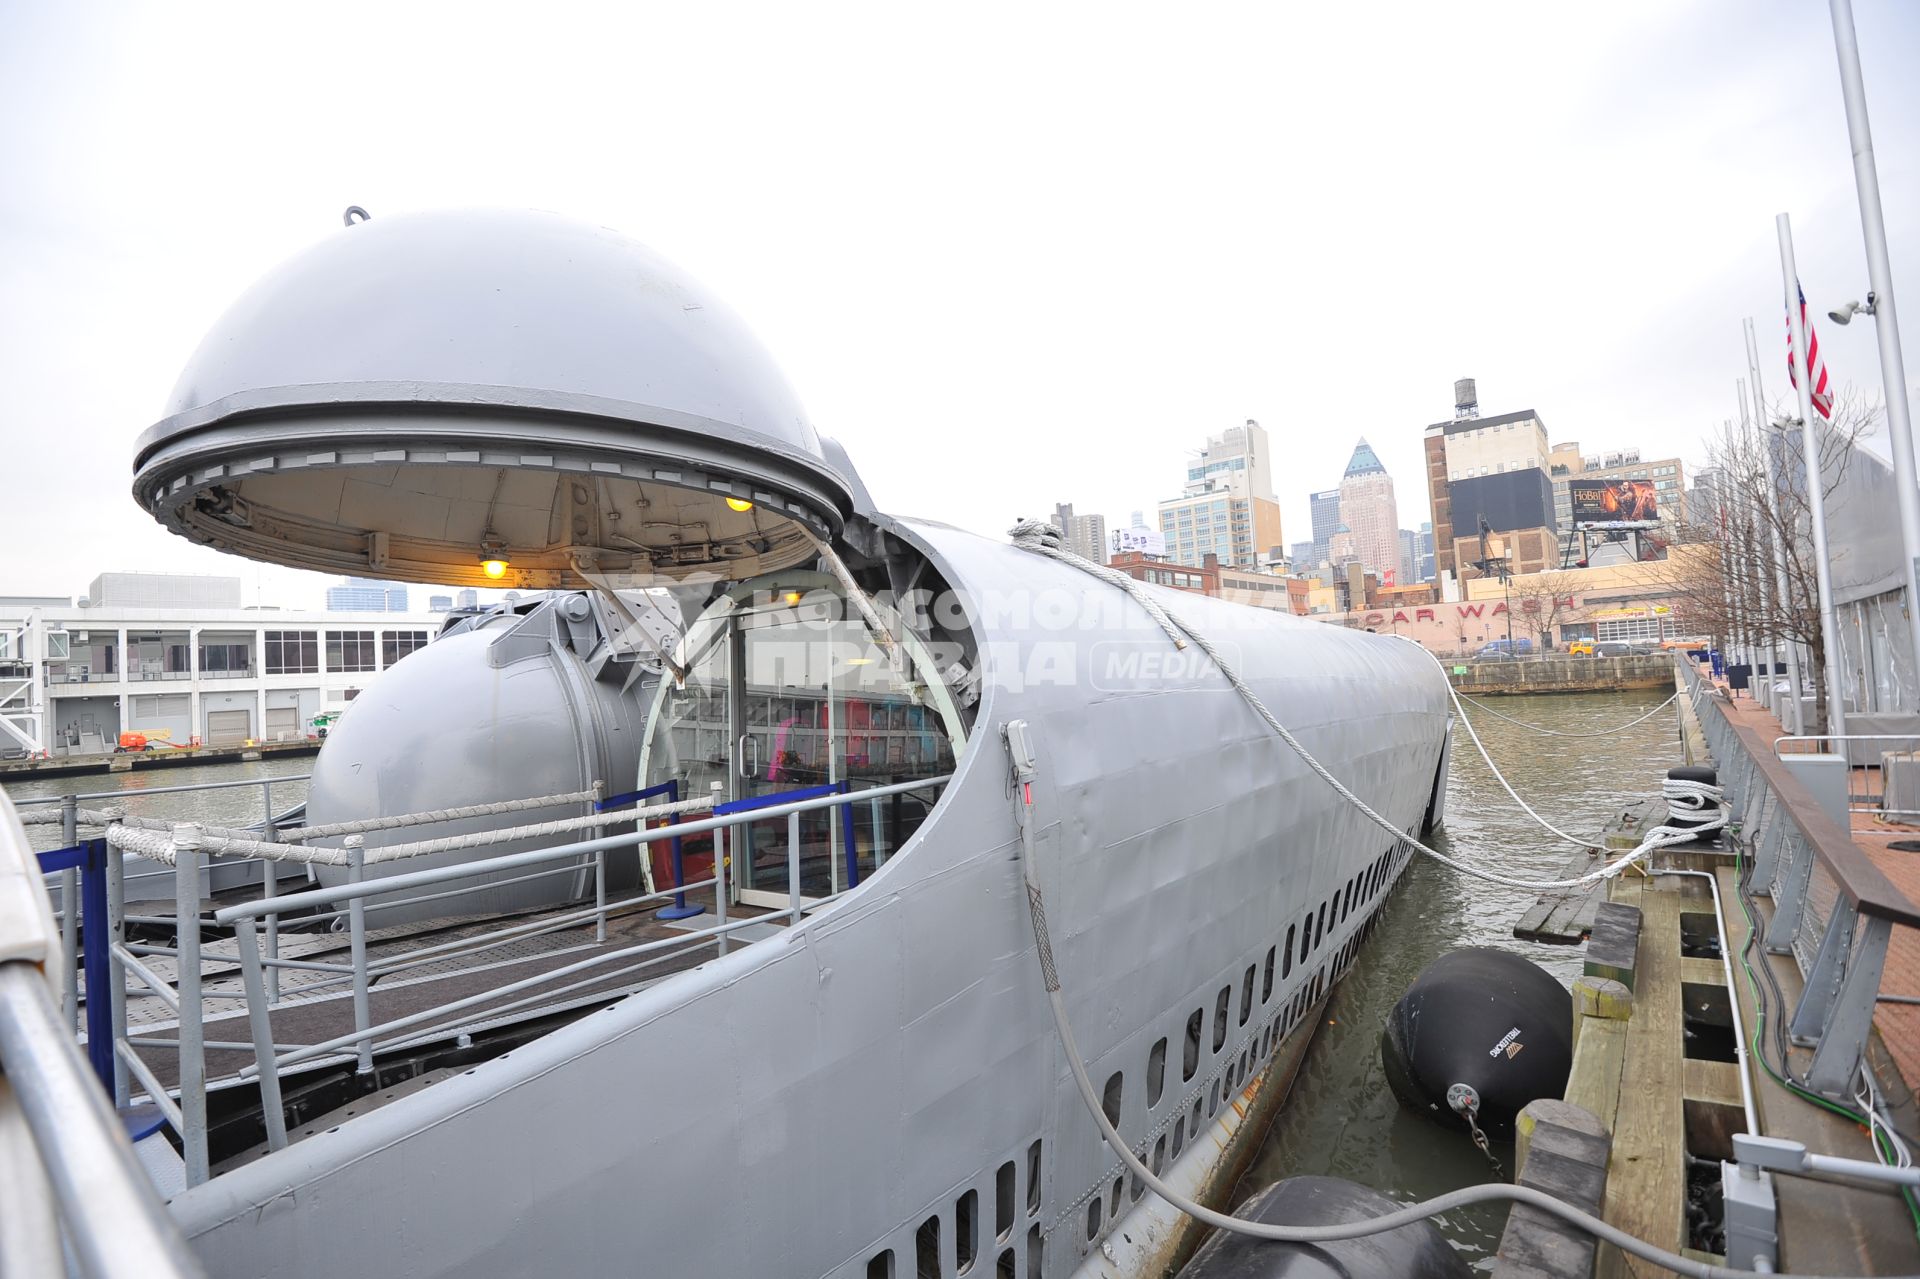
(1833, 909)
(128, 1058)
(69, 1180)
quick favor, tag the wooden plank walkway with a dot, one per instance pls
(1565, 917)
(1646, 1187)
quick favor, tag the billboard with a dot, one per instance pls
(1613, 503)
(1147, 541)
(1509, 501)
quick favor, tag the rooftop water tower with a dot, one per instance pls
(1466, 400)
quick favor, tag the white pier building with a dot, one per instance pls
(177, 658)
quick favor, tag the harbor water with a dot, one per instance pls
(1341, 1119)
(149, 793)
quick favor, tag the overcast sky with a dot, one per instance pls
(1009, 255)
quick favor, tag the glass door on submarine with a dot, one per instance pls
(788, 693)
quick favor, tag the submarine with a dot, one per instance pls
(870, 1083)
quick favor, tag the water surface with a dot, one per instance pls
(1342, 1120)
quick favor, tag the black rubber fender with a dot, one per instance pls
(1490, 1019)
(1416, 1251)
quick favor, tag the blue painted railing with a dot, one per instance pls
(774, 798)
(90, 859)
(671, 789)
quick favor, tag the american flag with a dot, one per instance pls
(1816, 367)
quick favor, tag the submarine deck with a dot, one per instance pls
(316, 1006)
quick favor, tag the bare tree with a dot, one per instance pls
(1544, 601)
(1725, 585)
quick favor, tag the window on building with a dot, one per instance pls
(59, 647)
(350, 651)
(395, 645)
(292, 653)
(1628, 628)
(223, 659)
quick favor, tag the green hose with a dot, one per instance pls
(1760, 1020)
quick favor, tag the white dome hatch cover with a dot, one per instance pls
(418, 394)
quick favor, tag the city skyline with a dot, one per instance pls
(1617, 316)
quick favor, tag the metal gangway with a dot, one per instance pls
(76, 995)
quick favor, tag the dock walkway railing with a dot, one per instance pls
(175, 975)
(1870, 757)
(1833, 909)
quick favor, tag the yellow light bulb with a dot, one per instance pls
(739, 504)
(792, 598)
(495, 568)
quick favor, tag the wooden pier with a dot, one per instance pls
(14, 770)
(1653, 1060)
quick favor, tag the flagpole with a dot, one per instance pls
(1739, 651)
(1755, 560)
(1783, 594)
(1816, 484)
(1886, 323)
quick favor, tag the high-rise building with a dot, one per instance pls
(439, 603)
(466, 597)
(1084, 535)
(1368, 509)
(1307, 557)
(1324, 510)
(1409, 569)
(1227, 506)
(1423, 547)
(366, 595)
(1343, 549)
(1491, 469)
(1710, 488)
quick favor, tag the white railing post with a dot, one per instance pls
(260, 1022)
(117, 993)
(600, 871)
(793, 866)
(70, 916)
(185, 844)
(269, 889)
(720, 884)
(357, 932)
(30, 1245)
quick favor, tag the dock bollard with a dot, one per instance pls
(1695, 773)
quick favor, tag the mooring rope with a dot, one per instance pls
(1033, 534)
(1043, 538)
(1554, 732)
